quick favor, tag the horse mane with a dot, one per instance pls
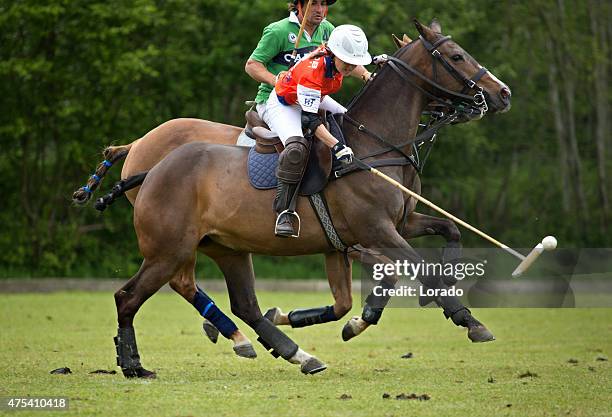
(375, 75)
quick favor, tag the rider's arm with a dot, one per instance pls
(258, 72)
(324, 136)
(310, 99)
(361, 72)
(268, 47)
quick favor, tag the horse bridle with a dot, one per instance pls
(458, 103)
(477, 101)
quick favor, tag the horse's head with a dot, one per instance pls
(448, 65)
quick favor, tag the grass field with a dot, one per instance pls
(41, 332)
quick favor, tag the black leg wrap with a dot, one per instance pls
(272, 338)
(310, 316)
(456, 311)
(371, 315)
(127, 352)
(451, 254)
(375, 304)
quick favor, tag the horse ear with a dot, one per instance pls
(397, 41)
(422, 30)
(406, 39)
(435, 26)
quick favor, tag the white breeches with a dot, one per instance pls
(286, 121)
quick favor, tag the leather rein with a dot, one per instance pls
(453, 104)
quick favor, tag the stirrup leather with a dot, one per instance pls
(294, 217)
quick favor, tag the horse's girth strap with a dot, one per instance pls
(320, 207)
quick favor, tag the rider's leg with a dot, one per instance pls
(287, 123)
(331, 105)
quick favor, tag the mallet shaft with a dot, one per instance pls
(302, 26)
(446, 213)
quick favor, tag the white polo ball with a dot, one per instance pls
(549, 242)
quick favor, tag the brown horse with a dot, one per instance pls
(198, 198)
(144, 153)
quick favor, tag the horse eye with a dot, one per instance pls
(457, 58)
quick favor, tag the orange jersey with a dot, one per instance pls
(309, 81)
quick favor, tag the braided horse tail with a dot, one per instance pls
(112, 154)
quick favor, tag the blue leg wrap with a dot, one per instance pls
(207, 308)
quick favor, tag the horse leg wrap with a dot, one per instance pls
(127, 351)
(375, 304)
(310, 316)
(456, 311)
(207, 308)
(451, 254)
(275, 340)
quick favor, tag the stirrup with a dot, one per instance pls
(290, 214)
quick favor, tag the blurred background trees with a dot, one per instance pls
(78, 75)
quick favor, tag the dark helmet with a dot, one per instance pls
(329, 2)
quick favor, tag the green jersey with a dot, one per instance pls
(277, 43)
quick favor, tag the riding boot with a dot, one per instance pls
(291, 166)
(284, 221)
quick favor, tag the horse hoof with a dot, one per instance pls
(139, 373)
(210, 331)
(480, 334)
(312, 366)
(348, 332)
(245, 351)
(272, 314)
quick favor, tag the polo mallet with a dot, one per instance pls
(299, 36)
(548, 243)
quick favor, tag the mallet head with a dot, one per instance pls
(548, 243)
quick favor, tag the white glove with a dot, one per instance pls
(343, 153)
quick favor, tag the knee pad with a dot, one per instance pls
(292, 162)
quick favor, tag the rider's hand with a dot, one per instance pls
(343, 153)
(279, 76)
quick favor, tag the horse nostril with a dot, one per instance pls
(505, 93)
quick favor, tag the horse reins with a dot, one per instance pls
(457, 102)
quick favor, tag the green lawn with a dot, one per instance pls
(196, 378)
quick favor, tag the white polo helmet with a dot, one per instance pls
(349, 43)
